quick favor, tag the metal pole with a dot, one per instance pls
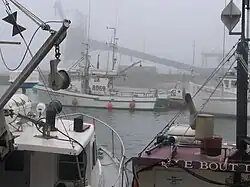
(114, 45)
(242, 86)
(34, 62)
(193, 52)
(247, 29)
(9, 42)
(223, 53)
(113, 144)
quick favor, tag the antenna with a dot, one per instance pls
(88, 31)
(113, 44)
(193, 52)
(85, 85)
(10, 43)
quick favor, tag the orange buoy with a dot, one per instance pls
(132, 104)
(110, 105)
(74, 102)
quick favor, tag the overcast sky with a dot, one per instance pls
(166, 27)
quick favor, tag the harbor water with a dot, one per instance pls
(139, 127)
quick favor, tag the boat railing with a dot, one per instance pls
(134, 94)
(111, 142)
(139, 94)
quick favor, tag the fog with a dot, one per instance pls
(165, 28)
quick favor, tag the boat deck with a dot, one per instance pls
(189, 156)
(29, 139)
(110, 169)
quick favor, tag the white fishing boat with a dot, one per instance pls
(99, 95)
(176, 96)
(95, 89)
(51, 150)
(223, 102)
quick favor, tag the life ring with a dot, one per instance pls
(132, 104)
(74, 102)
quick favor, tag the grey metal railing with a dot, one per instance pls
(114, 136)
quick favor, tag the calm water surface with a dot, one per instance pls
(138, 128)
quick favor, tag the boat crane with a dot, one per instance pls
(57, 79)
(10, 43)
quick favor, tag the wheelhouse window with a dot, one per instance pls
(97, 79)
(226, 83)
(233, 83)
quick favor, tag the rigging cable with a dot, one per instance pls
(9, 12)
(38, 68)
(24, 55)
(185, 169)
(76, 63)
(67, 134)
(212, 93)
(171, 122)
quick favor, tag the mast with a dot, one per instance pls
(242, 85)
(85, 74)
(230, 17)
(223, 53)
(113, 45)
(192, 70)
(194, 52)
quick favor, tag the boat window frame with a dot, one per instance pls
(226, 83)
(94, 153)
(233, 83)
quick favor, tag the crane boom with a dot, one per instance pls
(10, 42)
(125, 69)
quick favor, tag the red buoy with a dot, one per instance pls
(110, 105)
(132, 104)
(74, 102)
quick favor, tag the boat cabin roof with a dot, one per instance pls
(30, 138)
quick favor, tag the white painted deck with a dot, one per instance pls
(110, 170)
(29, 141)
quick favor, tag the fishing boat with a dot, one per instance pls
(94, 88)
(193, 155)
(46, 148)
(223, 101)
(176, 96)
(99, 94)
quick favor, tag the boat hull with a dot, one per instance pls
(72, 99)
(217, 105)
(220, 107)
